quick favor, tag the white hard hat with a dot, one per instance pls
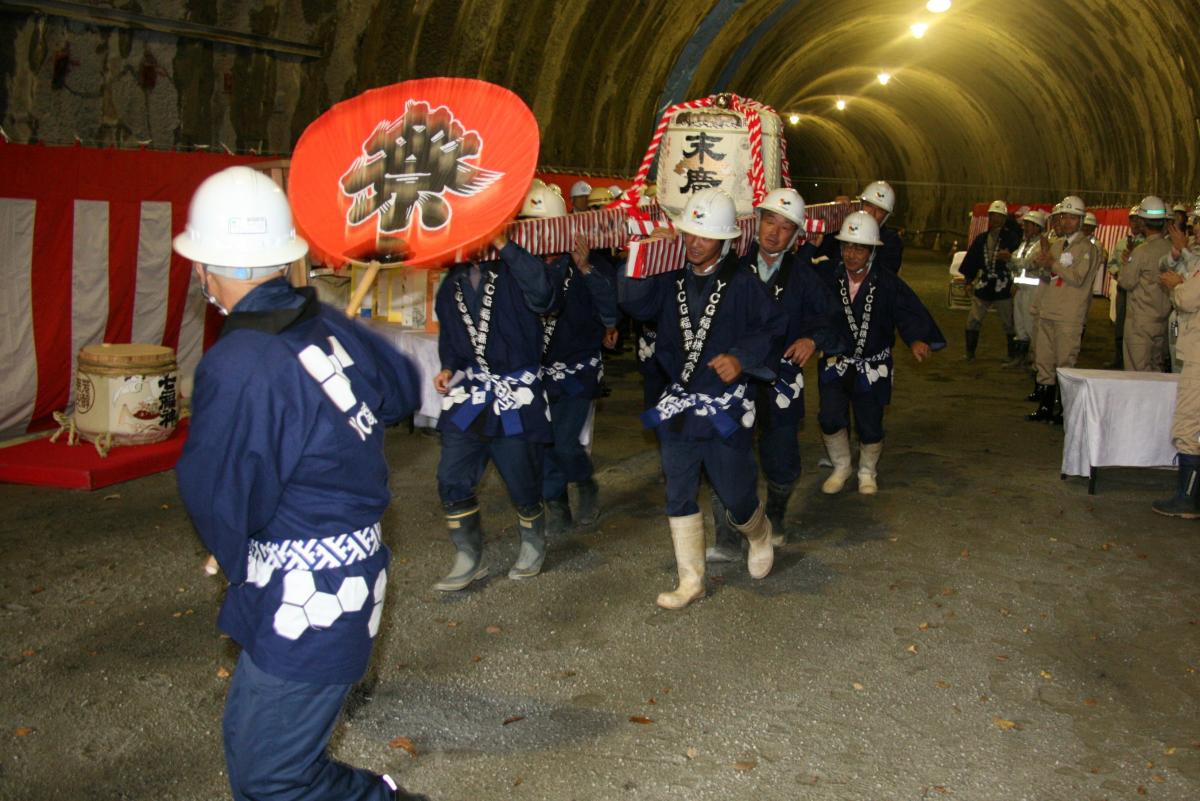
(785, 202)
(1090, 219)
(542, 202)
(1196, 208)
(1072, 204)
(240, 218)
(998, 207)
(710, 213)
(881, 194)
(615, 191)
(1179, 207)
(1153, 208)
(580, 188)
(1035, 216)
(860, 228)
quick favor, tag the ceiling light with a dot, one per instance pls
(841, 105)
(793, 118)
(937, 6)
(884, 77)
(918, 29)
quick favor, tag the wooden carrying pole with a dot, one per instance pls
(364, 286)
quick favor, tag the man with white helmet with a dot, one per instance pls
(1027, 276)
(879, 200)
(1184, 259)
(715, 328)
(1148, 303)
(581, 321)
(1180, 280)
(1179, 214)
(581, 191)
(1062, 304)
(495, 408)
(806, 304)
(1121, 254)
(874, 305)
(986, 266)
(284, 477)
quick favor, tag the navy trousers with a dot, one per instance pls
(465, 456)
(837, 398)
(779, 452)
(276, 732)
(731, 470)
(566, 460)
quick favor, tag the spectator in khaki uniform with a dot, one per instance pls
(1148, 304)
(1121, 254)
(1184, 259)
(1062, 303)
(1185, 429)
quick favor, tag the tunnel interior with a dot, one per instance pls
(1019, 101)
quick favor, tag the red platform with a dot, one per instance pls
(56, 464)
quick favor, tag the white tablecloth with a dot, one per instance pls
(422, 348)
(1116, 419)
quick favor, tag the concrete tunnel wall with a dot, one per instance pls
(1026, 101)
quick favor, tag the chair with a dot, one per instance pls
(958, 292)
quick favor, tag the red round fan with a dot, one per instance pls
(422, 172)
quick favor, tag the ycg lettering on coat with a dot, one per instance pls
(329, 370)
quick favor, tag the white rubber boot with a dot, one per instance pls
(868, 462)
(687, 533)
(758, 531)
(838, 446)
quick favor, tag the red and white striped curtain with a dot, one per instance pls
(85, 258)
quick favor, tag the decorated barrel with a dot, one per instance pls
(712, 146)
(126, 394)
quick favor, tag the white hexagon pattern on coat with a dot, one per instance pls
(298, 587)
(376, 616)
(353, 593)
(290, 621)
(322, 609)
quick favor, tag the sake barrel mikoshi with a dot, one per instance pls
(710, 147)
(127, 392)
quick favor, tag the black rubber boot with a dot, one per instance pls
(778, 496)
(728, 543)
(532, 525)
(1044, 412)
(466, 532)
(1118, 362)
(589, 502)
(972, 338)
(1014, 353)
(1056, 410)
(1036, 395)
(558, 516)
(1186, 501)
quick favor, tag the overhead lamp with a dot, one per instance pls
(793, 118)
(883, 78)
(841, 105)
(937, 6)
(918, 29)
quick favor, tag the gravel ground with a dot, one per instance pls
(979, 630)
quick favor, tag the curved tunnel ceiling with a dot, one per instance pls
(1025, 101)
